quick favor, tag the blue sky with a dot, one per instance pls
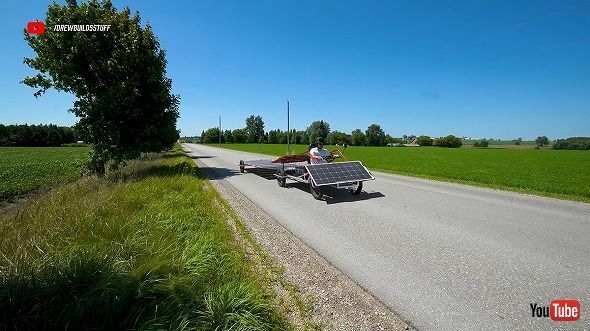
(501, 69)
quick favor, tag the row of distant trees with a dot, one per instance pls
(573, 143)
(374, 135)
(36, 135)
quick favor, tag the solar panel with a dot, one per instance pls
(266, 164)
(339, 172)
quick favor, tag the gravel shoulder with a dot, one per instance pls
(337, 302)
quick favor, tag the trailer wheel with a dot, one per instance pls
(242, 166)
(281, 179)
(316, 191)
(357, 189)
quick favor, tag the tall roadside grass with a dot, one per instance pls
(145, 247)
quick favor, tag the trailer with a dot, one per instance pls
(346, 174)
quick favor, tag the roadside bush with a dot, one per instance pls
(481, 143)
(573, 143)
(424, 141)
(449, 141)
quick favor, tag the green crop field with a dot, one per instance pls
(148, 246)
(24, 169)
(561, 174)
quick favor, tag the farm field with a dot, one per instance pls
(144, 247)
(25, 169)
(560, 174)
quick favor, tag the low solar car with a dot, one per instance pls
(346, 174)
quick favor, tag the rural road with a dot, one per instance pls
(443, 256)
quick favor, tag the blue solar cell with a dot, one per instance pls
(339, 172)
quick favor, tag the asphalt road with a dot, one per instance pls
(441, 255)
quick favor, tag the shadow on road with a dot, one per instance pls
(268, 174)
(334, 195)
(218, 173)
(345, 196)
(221, 173)
(196, 157)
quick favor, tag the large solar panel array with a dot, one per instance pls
(339, 172)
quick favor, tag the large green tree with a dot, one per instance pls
(542, 141)
(211, 136)
(228, 137)
(357, 137)
(337, 137)
(239, 136)
(299, 137)
(317, 129)
(375, 136)
(123, 97)
(273, 137)
(254, 128)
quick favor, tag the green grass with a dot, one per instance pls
(559, 174)
(25, 169)
(145, 247)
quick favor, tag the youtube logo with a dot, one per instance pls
(558, 310)
(35, 27)
(564, 310)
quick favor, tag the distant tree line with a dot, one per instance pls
(36, 135)
(374, 135)
(573, 143)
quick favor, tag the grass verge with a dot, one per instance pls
(290, 299)
(552, 173)
(145, 247)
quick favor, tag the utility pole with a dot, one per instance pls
(219, 130)
(288, 131)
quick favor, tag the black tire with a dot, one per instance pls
(358, 189)
(281, 179)
(316, 191)
(242, 166)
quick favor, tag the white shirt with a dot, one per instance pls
(319, 152)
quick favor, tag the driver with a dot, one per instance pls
(319, 154)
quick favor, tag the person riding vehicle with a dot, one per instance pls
(318, 154)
